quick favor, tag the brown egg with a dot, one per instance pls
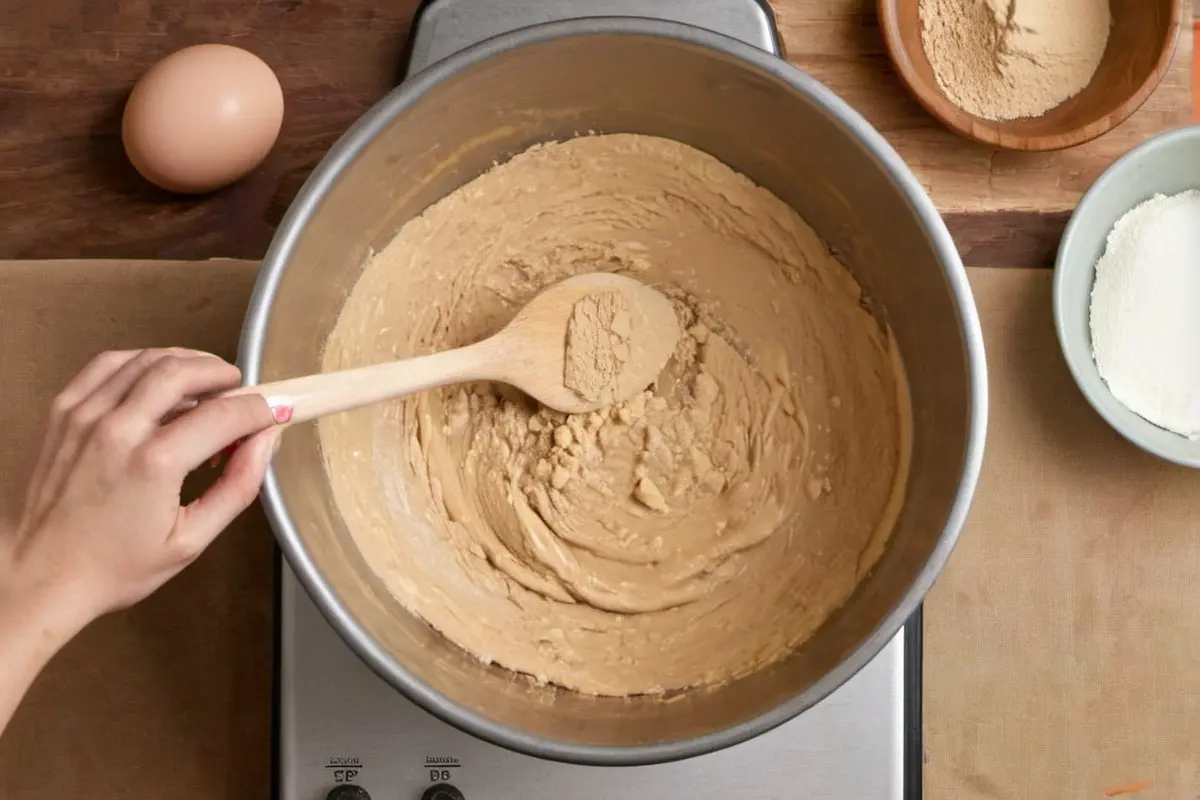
(201, 118)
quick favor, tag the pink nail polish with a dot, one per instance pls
(283, 414)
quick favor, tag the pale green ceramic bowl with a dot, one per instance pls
(1166, 164)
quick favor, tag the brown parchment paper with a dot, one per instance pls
(1062, 642)
(171, 699)
(1062, 654)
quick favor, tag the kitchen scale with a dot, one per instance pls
(344, 734)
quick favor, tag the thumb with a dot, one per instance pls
(202, 520)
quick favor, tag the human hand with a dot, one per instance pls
(102, 523)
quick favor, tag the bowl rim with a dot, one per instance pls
(945, 111)
(360, 135)
(1079, 359)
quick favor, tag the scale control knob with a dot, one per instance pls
(442, 791)
(347, 791)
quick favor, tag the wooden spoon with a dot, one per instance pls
(529, 353)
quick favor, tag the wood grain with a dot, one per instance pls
(68, 65)
(840, 43)
(1195, 37)
(1005, 238)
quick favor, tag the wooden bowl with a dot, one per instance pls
(1140, 46)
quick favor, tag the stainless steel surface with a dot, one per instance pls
(339, 723)
(452, 121)
(447, 26)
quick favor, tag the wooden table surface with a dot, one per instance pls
(66, 67)
(66, 191)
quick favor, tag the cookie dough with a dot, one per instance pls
(689, 536)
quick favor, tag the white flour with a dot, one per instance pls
(1145, 312)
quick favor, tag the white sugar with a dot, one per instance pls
(1145, 312)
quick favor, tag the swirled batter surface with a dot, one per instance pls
(690, 536)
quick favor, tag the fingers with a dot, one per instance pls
(107, 380)
(99, 370)
(74, 427)
(167, 387)
(90, 378)
(92, 394)
(197, 435)
(201, 521)
(125, 380)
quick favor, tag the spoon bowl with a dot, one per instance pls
(582, 344)
(541, 353)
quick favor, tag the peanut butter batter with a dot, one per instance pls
(687, 537)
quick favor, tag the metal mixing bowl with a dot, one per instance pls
(450, 123)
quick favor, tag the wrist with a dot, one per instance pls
(36, 604)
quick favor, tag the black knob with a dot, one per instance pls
(442, 791)
(347, 791)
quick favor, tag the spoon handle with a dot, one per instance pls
(302, 399)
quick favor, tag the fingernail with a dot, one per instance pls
(276, 442)
(282, 414)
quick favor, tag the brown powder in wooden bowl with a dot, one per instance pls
(1007, 59)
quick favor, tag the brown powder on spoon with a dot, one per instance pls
(1008, 59)
(598, 346)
